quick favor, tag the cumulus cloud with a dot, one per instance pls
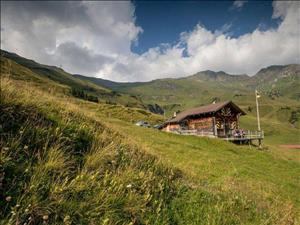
(216, 50)
(80, 36)
(94, 38)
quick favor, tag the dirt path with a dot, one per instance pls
(291, 146)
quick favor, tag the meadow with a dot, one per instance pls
(66, 160)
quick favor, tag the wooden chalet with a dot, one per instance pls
(215, 120)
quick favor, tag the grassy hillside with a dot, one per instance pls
(65, 160)
(275, 82)
(286, 83)
(15, 65)
(279, 104)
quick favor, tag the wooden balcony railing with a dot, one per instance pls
(195, 132)
(246, 135)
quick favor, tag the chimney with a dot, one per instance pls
(175, 114)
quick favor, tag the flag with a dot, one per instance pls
(257, 94)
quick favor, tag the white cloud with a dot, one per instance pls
(238, 4)
(218, 51)
(93, 30)
(95, 39)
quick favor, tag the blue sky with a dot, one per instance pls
(142, 41)
(163, 22)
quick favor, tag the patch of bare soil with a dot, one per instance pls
(291, 146)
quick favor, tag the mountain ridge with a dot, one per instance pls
(110, 83)
(206, 75)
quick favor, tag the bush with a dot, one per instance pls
(78, 93)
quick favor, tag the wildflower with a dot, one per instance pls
(6, 148)
(45, 217)
(21, 132)
(26, 210)
(8, 198)
(129, 186)
(26, 171)
(26, 147)
(17, 206)
(67, 219)
(105, 221)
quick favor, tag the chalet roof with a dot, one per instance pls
(212, 108)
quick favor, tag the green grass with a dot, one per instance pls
(213, 161)
(65, 166)
(64, 160)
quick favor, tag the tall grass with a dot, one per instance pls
(62, 165)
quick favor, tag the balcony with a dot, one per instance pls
(234, 136)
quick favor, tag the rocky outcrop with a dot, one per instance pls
(155, 108)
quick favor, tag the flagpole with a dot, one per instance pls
(257, 110)
(258, 119)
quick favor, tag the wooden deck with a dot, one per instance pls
(247, 136)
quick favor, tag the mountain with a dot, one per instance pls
(54, 73)
(284, 79)
(279, 86)
(279, 81)
(79, 87)
(220, 76)
(99, 81)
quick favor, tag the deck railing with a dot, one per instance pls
(249, 135)
(196, 132)
(246, 135)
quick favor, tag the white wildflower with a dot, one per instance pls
(45, 217)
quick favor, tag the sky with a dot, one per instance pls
(144, 40)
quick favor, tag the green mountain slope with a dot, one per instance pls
(279, 81)
(80, 88)
(279, 87)
(282, 80)
(65, 160)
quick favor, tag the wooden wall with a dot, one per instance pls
(171, 127)
(205, 124)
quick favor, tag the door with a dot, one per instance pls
(227, 129)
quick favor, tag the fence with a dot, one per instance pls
(246, 135)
